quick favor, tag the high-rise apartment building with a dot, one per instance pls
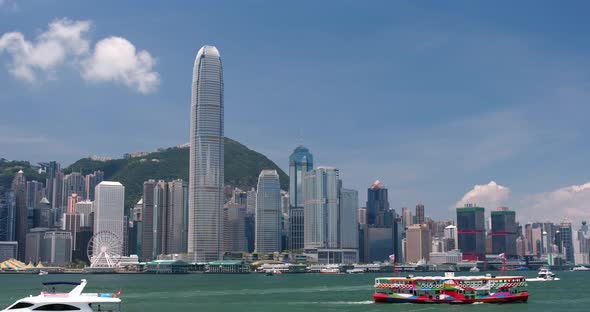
(90, 181)
(300, 162)
(504, 232)
(206, 199)
(471, 232)
(268, 212)
(73, 183)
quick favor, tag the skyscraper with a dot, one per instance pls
(471, 232)
(419, 214)
(108, 209)
(19, 188)
(418, 243)
(73, 183)
(300, 162)
(7, 216)
(51, 168)
(349, 206)
(407, 219)
(504, 232)
(177, 217)
(147, 247)
(205, 232)
(268, 212)
(321, 188)
(377, 204)
(91, 180)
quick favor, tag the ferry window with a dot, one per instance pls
(20, 305)
(57, 307)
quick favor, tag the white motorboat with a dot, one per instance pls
(580, 268)
(544, 275)
(474, 269)
(43, 272)
(51, 300)
(355, 271)
(330, 271)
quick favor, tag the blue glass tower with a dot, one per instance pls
(300, 162)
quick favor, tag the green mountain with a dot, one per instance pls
(242, 166)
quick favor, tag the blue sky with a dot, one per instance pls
(430, 97)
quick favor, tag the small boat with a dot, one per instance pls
(580, 268)
(43, 272)
(51, 300)
(543, 276)
(355, 271)
(474, 269)
(451, 289)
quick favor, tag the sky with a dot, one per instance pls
(445, 102)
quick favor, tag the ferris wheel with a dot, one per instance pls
(104, 250)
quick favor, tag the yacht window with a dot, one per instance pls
(57, 307)
(20, 305)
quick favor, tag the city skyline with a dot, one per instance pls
(538, 111)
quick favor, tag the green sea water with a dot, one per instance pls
(287, 292)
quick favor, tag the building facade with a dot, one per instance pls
(471, 232)
(418, 243)
(206, 168)
(377, 204)
(300, 162)
(504, 232)
(108, 210)
(268, 212)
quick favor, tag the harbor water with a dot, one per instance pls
(286, 292)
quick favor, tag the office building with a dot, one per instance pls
(51, 169)
(418, 243)
(565, 241)
(377, 204)
(108, 210)
(504, 232)
(349, 205)
(471, 232)
(147, 215)
(8, 216)
(419, 214)
(56, 247)
(235, 228)
(206, 168)
(22, 212)
(451, 238)
(300, 162)
(177, 217)
(407, 218)
(8, 250)
(34, 194)
(268, 212)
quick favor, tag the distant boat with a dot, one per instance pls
(43, 272)
(543, 276)
(355, 271)
(474, 269)
(580, 268)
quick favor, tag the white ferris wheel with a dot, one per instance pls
(104, 250)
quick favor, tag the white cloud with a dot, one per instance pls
(116, 59)
(572, 202)
(65, 42)
(489, 196)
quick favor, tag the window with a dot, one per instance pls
(20, 305)
(57, 307)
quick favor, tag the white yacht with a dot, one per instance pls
(544, 275)
(580, 268)
(474, 269)
(51, 300)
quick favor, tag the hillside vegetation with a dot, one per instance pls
(242, 166)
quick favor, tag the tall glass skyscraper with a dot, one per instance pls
(377, 204)
(268, 212)
(300, 162)
(321, 193)
(205, 232)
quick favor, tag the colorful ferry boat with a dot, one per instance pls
(451, 289)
